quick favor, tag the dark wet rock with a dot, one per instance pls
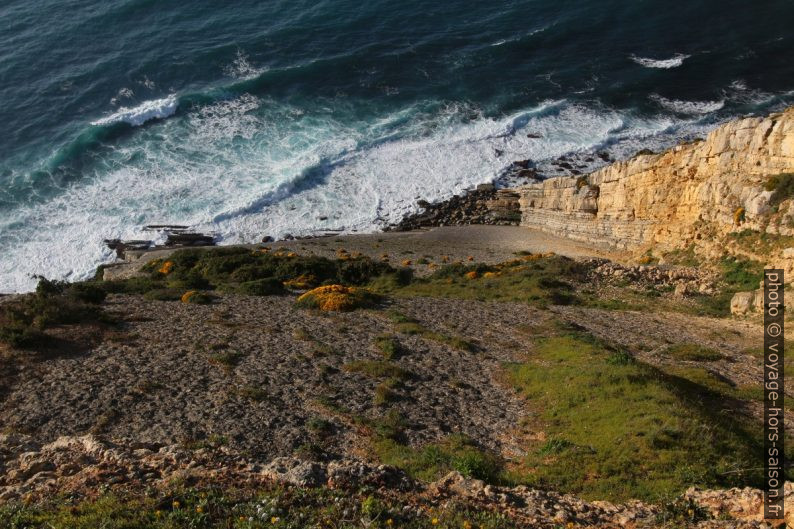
(482, 205)
(189, 239)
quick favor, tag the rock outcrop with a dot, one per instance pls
(689, 194)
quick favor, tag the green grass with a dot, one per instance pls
(736, 275)
(227, 358)
(692, 352)
(762, 243)
(389, 347)
(254, 393)
(409, 326)
(270, 507)
(455, 452)
(377, 369)
(384, 392)
(622, 429)
(540, 280)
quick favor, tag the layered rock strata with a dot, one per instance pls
(693, 191)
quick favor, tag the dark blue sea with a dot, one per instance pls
(255, 118)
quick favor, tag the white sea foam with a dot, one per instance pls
(146, 111)
(688, 107)
(241, 68)
(250, 167)
(673, 62)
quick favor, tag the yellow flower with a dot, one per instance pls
(166, 268)
(292, 254)
(466, 524)
(274, 519)
(187, 295)
(158, 513)
(302, 282)
(331, 297)
(570, 525)
(434, 521)
(489, 274)
(199, 509)
(406, 262)
(242, 518)
(175, 505)
(389, 522)
(471, 275)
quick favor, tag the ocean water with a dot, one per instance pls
(262, 117)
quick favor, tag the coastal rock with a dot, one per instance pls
(691, 193)
(743, 302)
(296, 472)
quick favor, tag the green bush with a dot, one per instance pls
(782, 186)
(164, 294)
(53, 303)
(87, 292)
(269, 286)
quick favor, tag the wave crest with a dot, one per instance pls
(673, 62)
(146, 111)
(688, 107)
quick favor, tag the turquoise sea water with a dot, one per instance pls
(260, 118)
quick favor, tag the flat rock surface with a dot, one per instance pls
(255, 370)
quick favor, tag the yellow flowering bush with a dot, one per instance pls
(337, 298)
(302, 282)
(406, 262)
(196, 297)
(166, 268)
(472, 274)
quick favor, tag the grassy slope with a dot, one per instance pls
(617, 428)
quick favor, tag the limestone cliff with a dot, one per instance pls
(693, 193)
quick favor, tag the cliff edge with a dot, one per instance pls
(693, 194)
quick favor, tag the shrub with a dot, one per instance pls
(269, 286)
(337, 298)
(389, 347)
(302, 282)
(164, 294)
(377, 369)
(782, 186)
(384, 393)
(196, 297)
(21, 336)
(87, 292)
(227, 358)
(738, 216)
(54, 302)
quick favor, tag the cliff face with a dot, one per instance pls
(692, 193)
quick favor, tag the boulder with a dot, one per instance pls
(742, 302)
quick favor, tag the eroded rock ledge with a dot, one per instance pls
(77, 465)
